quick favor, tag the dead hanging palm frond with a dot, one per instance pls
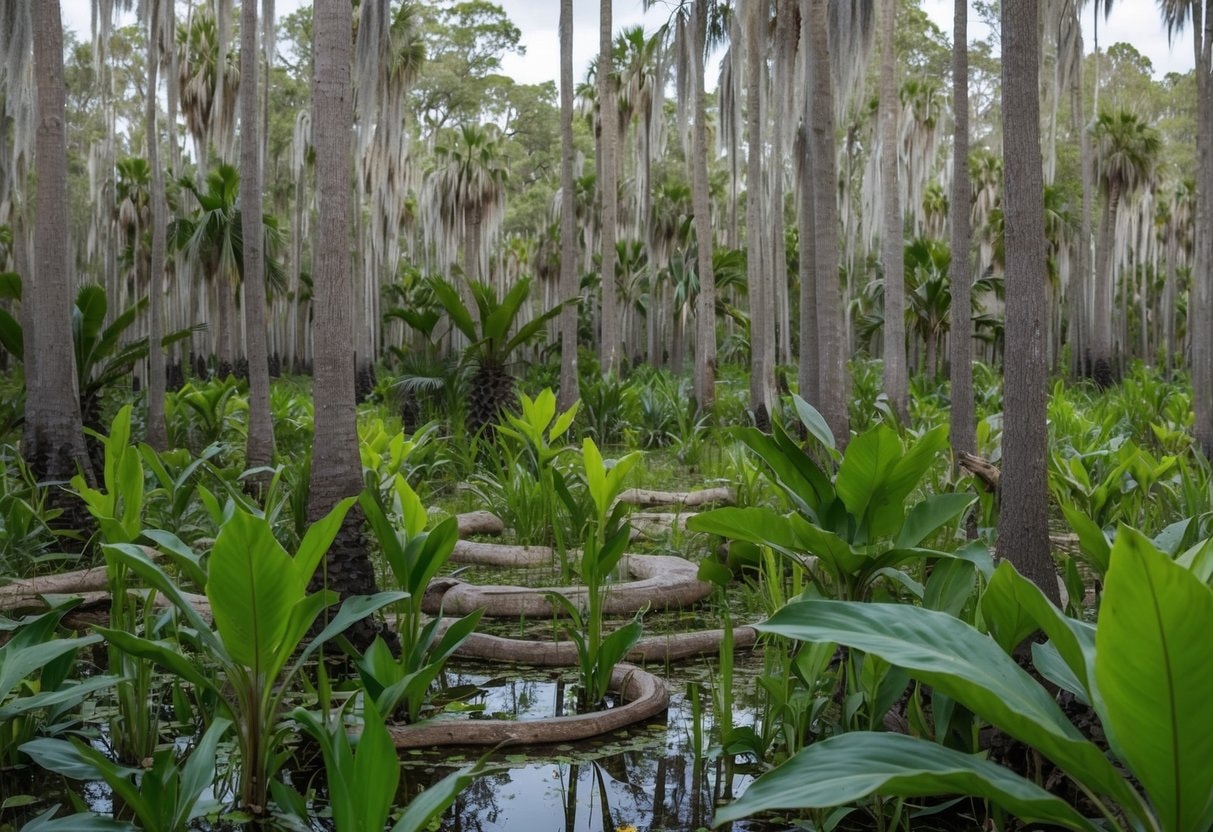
(852, 30)
(208, 78)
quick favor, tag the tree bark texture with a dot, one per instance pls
(831, 342)
(54, 438)
(569, 381)
(762, 384)
(896, 379)
(1023, 524)
(259, 450)
(964, 438)
(157, 430)
(705, 316)
(1202, 274)
(608, 192)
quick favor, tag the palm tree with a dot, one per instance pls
(1023, 524)
(569, 382)
(465, 195)
(53, 444)
(259, 449)
(896, 378)
(493, 343)
(208, 78)
(1126, 151)
(961, 416)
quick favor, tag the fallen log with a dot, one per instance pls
(479, 522)
(983, 469)
(660, 581)
(645, 696)
(704, 496)
(501, 554)
(661, 648)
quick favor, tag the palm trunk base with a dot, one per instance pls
(347, 570)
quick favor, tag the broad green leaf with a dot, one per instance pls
(1152, 659)
(75, 823)
(814, 423)
(761, 526)
(1199, 559)
(12, 337)
(927, 517)
(1170, 538)
(376, 770)
(166, 654)
(950, 585)
(252, 587)
(198, 773)
(969, 667)
(68, 693)
(19, 659)
(354, 608)
(804, 483)
(1010, 593)
(316, 542)
(1091, 540)
(851, 766)
(890, 493)
(1049, 664)
(868, 462)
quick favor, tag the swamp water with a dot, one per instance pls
(648, 777)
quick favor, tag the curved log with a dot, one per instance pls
(500, 554)
(660, 581)
(479, 522)
(662, 648)
(645, 695)
(704, 496)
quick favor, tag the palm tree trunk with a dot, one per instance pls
(896, 380)
(762, 385)
(569, 382)
(809, 367)
(1023, 525)
(259, 450)
(608, 118)
(705, 315)
(831, 340)
(157, 431)
(1202, 272)
(1101, 335)
(963, 431)
(54, 438)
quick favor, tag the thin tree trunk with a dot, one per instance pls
(1023, 525)
(831, 342)
(809, 366)
(896, 378)
(964, 437)
(705, 316)
(54, 438)
(259, 450)
(570, 389)
(157, 431)
(336, 468)
(608, 119)
(762, 386)
(1202, 272)
(1080, 314)
(1102, 354)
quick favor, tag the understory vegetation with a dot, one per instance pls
(897, 651)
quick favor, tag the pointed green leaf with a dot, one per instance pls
(849, 767)
(1152, 657)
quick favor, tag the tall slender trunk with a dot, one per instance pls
(1202, 272)
(259, 450)
(964, 438)
(1023, 525)
(896, 378)
(608, 192)
(54, 438)
(1079, 307)
(831, 341)
(809, 374)
(1102, 354)
(569, 382)
(157, 431)
(762, 384)
(705, 315)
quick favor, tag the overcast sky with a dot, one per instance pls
(1135, 21)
